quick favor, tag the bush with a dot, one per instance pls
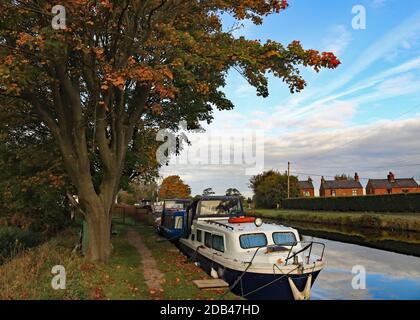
(384, 203)
(13, 240)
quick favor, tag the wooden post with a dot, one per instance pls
(288, 180)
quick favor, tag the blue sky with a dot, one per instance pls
(363, 116)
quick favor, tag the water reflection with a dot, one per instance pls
(388, 275)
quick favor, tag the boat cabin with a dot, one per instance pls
(173, 222)
(258, 260)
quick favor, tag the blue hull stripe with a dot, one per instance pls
(250, 282)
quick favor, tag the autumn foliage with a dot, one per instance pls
(121, 70)
(173, 187)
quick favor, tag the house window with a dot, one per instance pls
(333, 193)
(307, 194)
(354, 192)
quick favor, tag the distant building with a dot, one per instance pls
(391, 185)
(341, 188)
(306, 188)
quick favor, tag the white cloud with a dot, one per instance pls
(371, 150)
(381, 49)
(337, 40)
(377, 3)
(244, 90)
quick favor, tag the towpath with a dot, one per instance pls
(152, 276)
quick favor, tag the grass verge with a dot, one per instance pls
(179, 272)
(28, 275)
(388, 221)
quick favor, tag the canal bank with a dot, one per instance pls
(129, 274)
(380, 221)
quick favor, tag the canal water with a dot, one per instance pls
(392, 269)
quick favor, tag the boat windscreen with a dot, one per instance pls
(173, 204)
(220, 207)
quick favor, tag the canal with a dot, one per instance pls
(391, 261)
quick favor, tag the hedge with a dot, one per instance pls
(409, 202)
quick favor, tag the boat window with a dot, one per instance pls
(175, 204)
(280, 238)
(178, 222)
(199, 235)
(207, 240)
(218, 243)
(254, 240)
(220, 207)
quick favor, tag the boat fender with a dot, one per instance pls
(220, 272)
(214, 274)
(305, 294)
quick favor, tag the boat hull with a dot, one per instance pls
(252, 286)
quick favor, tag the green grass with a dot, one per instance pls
(385, 221)
(178, 271)
(28, 275)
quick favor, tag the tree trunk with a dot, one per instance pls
(98, 218)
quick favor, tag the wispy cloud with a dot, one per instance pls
(371, 150)
(337, 39)
(406, 31)
(244, 90)
(377, 3)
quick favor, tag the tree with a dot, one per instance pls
(32, 182)
(143, 191)
(173, 187)
(270, 188)
(208, 192)
(343, 176)
(121, 69)
(233, 192)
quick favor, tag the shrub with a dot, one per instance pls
(13, 240)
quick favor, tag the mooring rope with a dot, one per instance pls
(270, 283)
(243, 273)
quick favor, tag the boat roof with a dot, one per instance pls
(178, 200)
(247, 227)
(218, 197)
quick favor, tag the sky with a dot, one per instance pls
(361, 117)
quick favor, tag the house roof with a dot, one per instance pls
(305, 184)
(397, 183)
(341, 184)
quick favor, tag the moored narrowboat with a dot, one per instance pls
(173, 220)
(258, 260)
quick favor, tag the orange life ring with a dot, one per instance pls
(241, 220)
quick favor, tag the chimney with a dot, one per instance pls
(356, 176)
(309, 179)
(391, 177)
(322, 179)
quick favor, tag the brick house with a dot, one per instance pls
(341, 188)
(391, 185)
(306, 188)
